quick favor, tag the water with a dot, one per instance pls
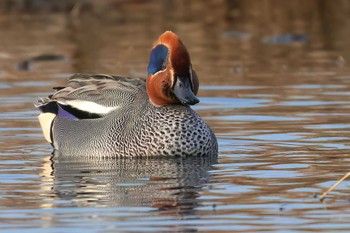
(276, 93)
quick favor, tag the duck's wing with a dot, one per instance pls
(88, 96)
(93, 95)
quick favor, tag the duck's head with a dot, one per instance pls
(171, 79)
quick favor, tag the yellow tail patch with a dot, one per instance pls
(45, 120)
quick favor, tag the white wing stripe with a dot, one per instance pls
(88, 106)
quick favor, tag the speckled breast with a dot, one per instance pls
(173, 130)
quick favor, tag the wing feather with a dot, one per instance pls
(96, 93)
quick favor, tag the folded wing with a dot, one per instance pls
(87, 96)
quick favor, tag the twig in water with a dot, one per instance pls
(334, 186)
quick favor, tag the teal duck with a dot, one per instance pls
(105, 115)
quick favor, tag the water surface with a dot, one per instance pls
(274, 88)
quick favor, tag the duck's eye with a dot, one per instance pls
(158, 59)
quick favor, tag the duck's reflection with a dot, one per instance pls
(170, 184)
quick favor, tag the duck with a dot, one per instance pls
(102, 115)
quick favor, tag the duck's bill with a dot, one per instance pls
(183, 91)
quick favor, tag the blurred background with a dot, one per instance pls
(225, 36)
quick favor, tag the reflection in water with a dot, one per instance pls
(167, 184)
